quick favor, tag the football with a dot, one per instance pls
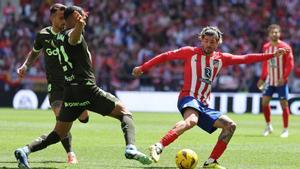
(186, 159)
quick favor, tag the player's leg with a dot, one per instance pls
(228, 127)
(60, 131)
(106, 104)
(84, 117)
(190, 119)
(267, 95)
(283, 96)
(67, 141)
(121, 113)
(55, 99)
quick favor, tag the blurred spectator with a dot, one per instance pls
(123, 33)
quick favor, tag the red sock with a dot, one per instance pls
(218, 150)
(285, 117)
(267, 113)
(169, 138)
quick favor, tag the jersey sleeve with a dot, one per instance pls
(230, 59)
(289, 60)
(264, 67)
(264, 70)
(38, 43)
(181, 53)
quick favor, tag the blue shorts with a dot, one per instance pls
(282, 91)
(207, 116)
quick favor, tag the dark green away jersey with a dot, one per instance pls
(75, 60)
(44, 40)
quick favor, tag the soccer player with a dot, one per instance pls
(277, 70)
(81, 92)
(201, 66)
(54, 73)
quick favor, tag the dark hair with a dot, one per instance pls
(274, 26)
(57, 6)
(211, 31)
(71, 9)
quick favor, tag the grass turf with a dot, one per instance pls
(100, 143)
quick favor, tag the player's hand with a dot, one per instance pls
(281, 51)
(80, 19)
(137, 71)
(260, 84)
(281, 82)
(21, 71)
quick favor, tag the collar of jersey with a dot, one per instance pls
(51, 29)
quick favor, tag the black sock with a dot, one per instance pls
(128, 129)
(66, 142)
(44, 142)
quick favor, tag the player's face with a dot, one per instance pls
(58, 20)
(71, 21)
(209, 44)
(274, 34)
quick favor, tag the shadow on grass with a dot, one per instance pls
(31, 168)
(41, 162)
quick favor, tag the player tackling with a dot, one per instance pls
(201, 66)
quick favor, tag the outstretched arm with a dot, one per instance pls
(171, 55)
(30, 59)
(76, 33)
(230, 59)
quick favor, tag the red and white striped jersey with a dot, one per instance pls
(201, 70)
(279, 67)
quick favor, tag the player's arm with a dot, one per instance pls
(262, 79)
(75, 35)
(30, 59)
(181, 53)
(31, 56)
(230, 59)
(289, 60)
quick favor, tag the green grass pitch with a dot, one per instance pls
(100, 144)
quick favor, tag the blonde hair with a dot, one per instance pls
(211, 31)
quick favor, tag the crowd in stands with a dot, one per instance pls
(122, 34)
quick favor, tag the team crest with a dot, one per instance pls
(207, 71)
(216, 63)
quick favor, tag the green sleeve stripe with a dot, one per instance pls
(66, 57)
(36, 50)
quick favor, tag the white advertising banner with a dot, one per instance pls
(238, 103)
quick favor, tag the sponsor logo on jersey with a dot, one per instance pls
(216, 63)
(51, 52)
(77, 104)
(207, 72)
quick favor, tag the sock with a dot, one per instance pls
(128, 129)
(42, 143)
(169, 138)
(66, 142)
(26, 150)
(218, 150)
(267, 113)
(285, 117)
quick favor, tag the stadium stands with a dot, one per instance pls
(123, 33)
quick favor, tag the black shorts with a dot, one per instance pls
(78, 98)
(55, 91)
